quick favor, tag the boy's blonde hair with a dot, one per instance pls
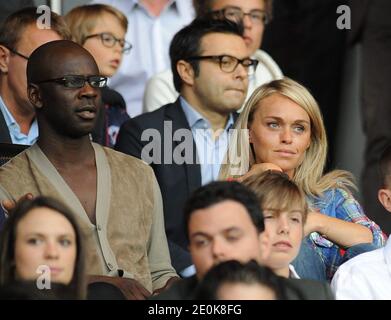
(83, 19)
(276, 191)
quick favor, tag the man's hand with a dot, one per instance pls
(130, 288)
(9, 205)
(169, 283)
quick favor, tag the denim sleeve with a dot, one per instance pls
(348, 209)
(2, 218)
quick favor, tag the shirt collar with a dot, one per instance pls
(292, 272)
(191, 114)
(194, 117)
(9, 119)
(175, 4)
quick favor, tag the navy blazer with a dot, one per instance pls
(176, 181)
(5, 136)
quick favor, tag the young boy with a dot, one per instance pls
(101, 30)
(285, 211)
(368, 276)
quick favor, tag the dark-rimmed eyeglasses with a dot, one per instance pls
(76, 81)
(229, 64)
(236, 14)
(17, 53)
(109, 41)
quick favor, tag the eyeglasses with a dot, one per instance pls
(109, 41)
(229, 64)
(74, 81)
(236, 14)
(17, 53)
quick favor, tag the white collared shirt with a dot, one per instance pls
(210, 151)
(365, 277)
(150, 37)
(292, 272)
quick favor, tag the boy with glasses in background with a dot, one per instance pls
(101, 30)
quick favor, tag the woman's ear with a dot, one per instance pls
(34, 95)
(186, 72)
(384, 196)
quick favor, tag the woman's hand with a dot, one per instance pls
(313, 223)
(258, 168)
(343, 233)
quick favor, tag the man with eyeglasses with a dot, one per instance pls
(116, 197)
(254, 14)
(211, 66)
(19, 36)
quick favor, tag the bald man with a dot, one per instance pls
(116, 197)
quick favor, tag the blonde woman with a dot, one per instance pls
(281, 128)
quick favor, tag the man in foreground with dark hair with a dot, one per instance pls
(224, 222)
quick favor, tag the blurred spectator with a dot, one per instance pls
(19, 37)
(152, 25)
(232, 280)
(43, 233)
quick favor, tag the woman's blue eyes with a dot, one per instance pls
(37, 241)
(300, 128)
(272, 124)
(275, 125)
(34, 241)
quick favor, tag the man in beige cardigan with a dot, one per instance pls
(115, 196)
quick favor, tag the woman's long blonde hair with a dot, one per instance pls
(309, 174)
